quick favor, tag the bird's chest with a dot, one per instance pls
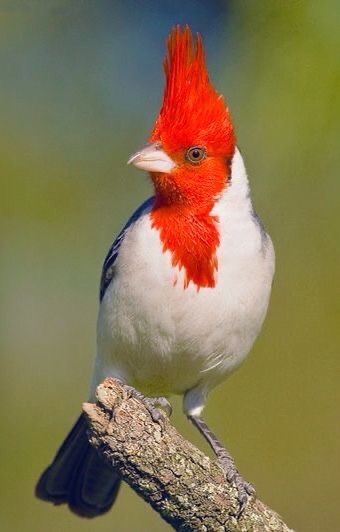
(158, 333)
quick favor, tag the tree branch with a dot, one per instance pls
(183, 485)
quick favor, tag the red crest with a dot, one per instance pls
(192, 112)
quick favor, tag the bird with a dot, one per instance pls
(185, 286)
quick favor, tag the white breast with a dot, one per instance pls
(162, 338)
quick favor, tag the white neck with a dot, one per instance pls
(235, 199)
(239, 184)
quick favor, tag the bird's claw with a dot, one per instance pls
(244, 491)
(162, 403)
(154, 411)
(153, 405)
(244, 488)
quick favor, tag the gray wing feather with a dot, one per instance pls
(108, 266)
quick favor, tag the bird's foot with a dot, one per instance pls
(244, 488)
(226, 462)
(156, 406)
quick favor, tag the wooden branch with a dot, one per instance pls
(183, 485)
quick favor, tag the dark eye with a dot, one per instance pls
(195, 154)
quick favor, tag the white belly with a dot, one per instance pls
(164, 339)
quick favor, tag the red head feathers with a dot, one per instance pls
(189, 160)
(193, 113)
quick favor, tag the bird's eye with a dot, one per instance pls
(195, 154)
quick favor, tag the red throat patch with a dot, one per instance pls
(193, 114)
(192, 241)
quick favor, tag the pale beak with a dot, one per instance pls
(152, 159)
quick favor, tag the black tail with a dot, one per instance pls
(79, 477)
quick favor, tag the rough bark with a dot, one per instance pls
(183, 485)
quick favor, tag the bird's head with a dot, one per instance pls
(192, 142)
(188, 157)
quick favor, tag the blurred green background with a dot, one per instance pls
(80, 85)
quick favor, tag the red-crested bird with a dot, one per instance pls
(185, 286)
